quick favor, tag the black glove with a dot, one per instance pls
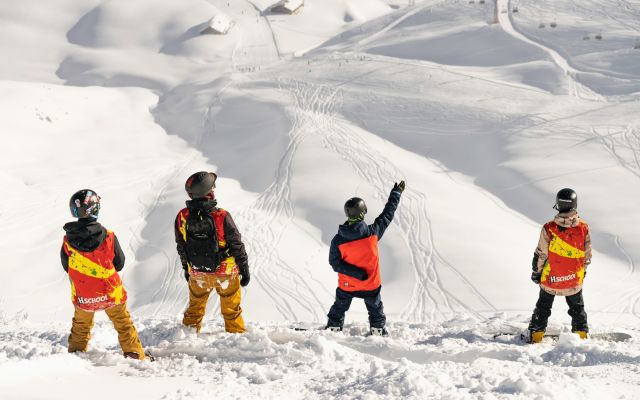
(186, 274)
(362, 275)
(399, 186)
(245, 277)
(535, 277)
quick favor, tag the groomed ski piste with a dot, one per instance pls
(485, 113)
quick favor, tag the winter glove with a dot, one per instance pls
(362, 275)
(399, 187)
(535, 277)
(186, 274)
(245, 277)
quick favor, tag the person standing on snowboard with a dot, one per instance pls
(559, 266)
(354, 256)
(212, 254)
(92, 257)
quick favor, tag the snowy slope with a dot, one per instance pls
(296, 114)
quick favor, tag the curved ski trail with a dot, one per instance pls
(429, 298)
(578, 89)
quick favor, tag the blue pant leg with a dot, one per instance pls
(339, 308)
(377, 319)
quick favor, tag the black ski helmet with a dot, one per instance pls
(200, 184)
(566, 200)
(85, 203)
(355, 208)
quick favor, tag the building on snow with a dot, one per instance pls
(288, 6)
(220, 24)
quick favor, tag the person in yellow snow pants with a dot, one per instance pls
(212, 254)
(92, 257)
(230, 294)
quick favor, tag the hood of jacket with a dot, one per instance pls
(351, 232)
(85, 234)
(568, 219)
(207, 205)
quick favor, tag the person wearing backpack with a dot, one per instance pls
(354, 256)
(212, 254)
(92, 257)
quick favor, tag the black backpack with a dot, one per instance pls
(202, 241)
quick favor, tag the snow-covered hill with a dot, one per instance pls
(485, 121)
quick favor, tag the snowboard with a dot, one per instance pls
(322, 328)
(304, 329)
(606, 336)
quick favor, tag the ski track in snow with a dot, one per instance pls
(631, 297)
(578, 89)
(429, 298)
(247, 57)
(284, 283)
(595, 11)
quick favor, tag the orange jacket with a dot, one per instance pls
(95, 283)
(364, 254)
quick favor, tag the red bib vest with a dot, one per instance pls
(95, 283)
(362, 253)
(228, 266)
(564, 268)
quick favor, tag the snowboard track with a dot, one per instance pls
(429, 298)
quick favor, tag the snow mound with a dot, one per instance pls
(456, 358)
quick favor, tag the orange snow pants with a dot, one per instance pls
(121, 319)
(229, 291)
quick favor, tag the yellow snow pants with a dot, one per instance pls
(127, 335)
(229, 291)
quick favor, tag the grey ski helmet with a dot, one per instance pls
(85, 203)
(566, 200)
(200, 184)
(355, 208)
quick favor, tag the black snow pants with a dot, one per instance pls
(372, 301)
(543, 311)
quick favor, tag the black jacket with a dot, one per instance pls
(87, 235)
(359, 230)
(231, 235)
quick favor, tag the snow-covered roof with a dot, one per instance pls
(221, 24)
(288, 6)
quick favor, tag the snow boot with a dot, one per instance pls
(379, 331)
(131, 354)
(532, 336)
(582, 334)
(333, 328)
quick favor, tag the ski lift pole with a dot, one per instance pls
(495, 12)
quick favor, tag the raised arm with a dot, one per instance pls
(382, 222)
